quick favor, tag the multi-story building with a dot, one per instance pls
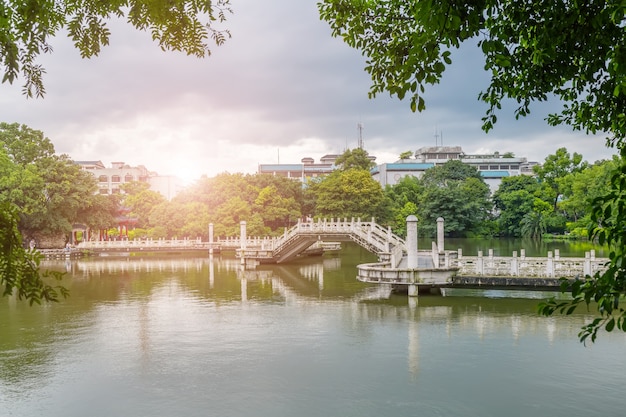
(391, 174)
(306, 169)
(492, 167)
(111, 179)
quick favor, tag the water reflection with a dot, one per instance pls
(189, 333)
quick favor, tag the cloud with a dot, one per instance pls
(280, 88)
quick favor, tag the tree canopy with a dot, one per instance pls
(355, 158)
(26, 28)
(533, 49)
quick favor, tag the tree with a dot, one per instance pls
(140, 200)
(514, 200)
(556, 167)
(581, 189)
(26, 28)
(354, 158)
(452, 170)
(406, 155)
(19, 268)
(534, 223)
(50, 190)
(571, 50)
(605, 289)
(275, 209)
(464, 205)
(404, 196)
(351, 193)
(578, 57)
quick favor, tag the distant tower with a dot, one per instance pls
(438, 136)
(359, 128)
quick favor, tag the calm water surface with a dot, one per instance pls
(193, 337)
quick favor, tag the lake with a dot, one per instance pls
(193, 336)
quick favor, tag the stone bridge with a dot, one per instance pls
(373, 237)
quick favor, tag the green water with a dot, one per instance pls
(198, 337)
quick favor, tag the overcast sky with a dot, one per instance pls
(279, 90)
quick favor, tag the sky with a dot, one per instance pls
(280, 89)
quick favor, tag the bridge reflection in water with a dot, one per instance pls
(312, 281)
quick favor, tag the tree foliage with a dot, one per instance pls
(26, 28)
(463, 202)
(51, 191)
(41, 194)
(556, 167)
(454, 191)
(355, 158)
(19, 268)
(533, 49)
(605, 290)
(267, 203)
(352, 193)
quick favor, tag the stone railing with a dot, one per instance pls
(552, 266)
(142, 243)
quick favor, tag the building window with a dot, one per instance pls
(483, 167)
(494, 167)
(115, 191)
(115, 178)
(103, 178)
(104, 191)
(506, 167)
(515, 167)
(129, 178)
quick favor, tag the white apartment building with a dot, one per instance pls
(492, 167)
(111, 179)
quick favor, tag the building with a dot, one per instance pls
(301, 172)
(305, 170)
(111, 179)
(492, 167)
(391, 174)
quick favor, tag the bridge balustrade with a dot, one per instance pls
(141, 243)
(552, 266)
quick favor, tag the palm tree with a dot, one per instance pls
(533, 225)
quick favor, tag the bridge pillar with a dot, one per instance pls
(440, 232)
(411, 244)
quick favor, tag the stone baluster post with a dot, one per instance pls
(514, 265)
(587, 264)
(550, 265)
(440, 232)
(242, 240)
(210, 238)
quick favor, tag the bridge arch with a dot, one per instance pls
(368, 234)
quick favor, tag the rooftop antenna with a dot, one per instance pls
(359, 127)
(436, 137)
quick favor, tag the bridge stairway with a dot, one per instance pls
(296, 240)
